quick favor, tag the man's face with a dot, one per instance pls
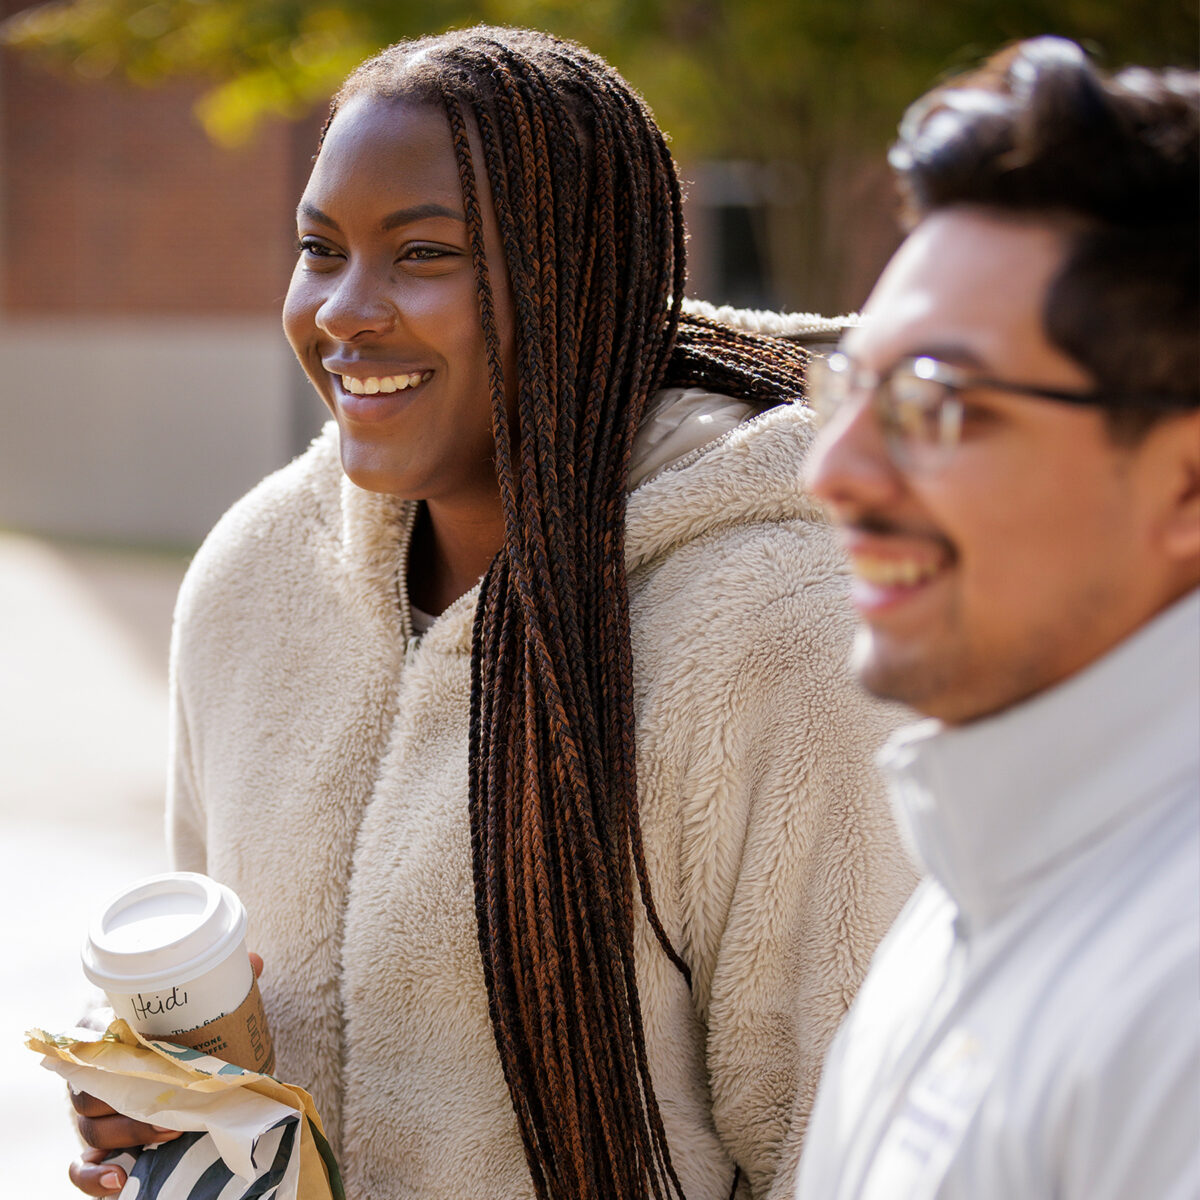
(1031, 548)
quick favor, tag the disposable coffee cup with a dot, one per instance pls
(170, 954)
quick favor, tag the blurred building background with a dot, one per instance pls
(144, 379)
(151, 153)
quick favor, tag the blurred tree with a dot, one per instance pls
(815, 85)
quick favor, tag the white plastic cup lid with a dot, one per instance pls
(167, 929)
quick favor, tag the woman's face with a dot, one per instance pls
(382, 310)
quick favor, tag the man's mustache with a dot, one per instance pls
(881, 525)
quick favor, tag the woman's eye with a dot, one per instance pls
(313, 248)
(423, 254)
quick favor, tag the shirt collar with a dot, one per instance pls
(991, 806)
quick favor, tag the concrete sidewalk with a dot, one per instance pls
(83, 666)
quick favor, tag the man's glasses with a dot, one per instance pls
(919, 406)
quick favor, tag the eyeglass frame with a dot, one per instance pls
(948, 407)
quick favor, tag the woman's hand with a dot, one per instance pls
(105, 1130)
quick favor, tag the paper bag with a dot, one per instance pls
(249, 1136)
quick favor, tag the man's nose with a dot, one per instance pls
(357, 306)
(848, 467)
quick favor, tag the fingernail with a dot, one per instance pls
(111, 1179)
(163, 1129)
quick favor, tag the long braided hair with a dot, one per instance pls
(588, 206)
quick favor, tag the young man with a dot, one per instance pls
(1011, 449)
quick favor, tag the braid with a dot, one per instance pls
(588, 208)
(757, 367)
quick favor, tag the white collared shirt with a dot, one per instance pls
(1030, 1028)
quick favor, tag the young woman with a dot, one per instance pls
(515, 709)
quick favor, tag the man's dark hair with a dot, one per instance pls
(1039, 132)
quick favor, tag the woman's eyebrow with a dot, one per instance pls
(419, 212)
(402, 216)
(313, 213)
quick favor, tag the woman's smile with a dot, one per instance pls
(372, 384)
(365, 394)
(376, 399)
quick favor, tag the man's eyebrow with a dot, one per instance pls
(953, 354)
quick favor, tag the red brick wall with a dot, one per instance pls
(114, 201)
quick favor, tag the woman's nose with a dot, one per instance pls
(848, 467)
(357, 306)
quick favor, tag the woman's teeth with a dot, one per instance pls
(384, 383)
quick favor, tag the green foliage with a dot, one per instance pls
(761, 79)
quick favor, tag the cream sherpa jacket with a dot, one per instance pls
(320, 769)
